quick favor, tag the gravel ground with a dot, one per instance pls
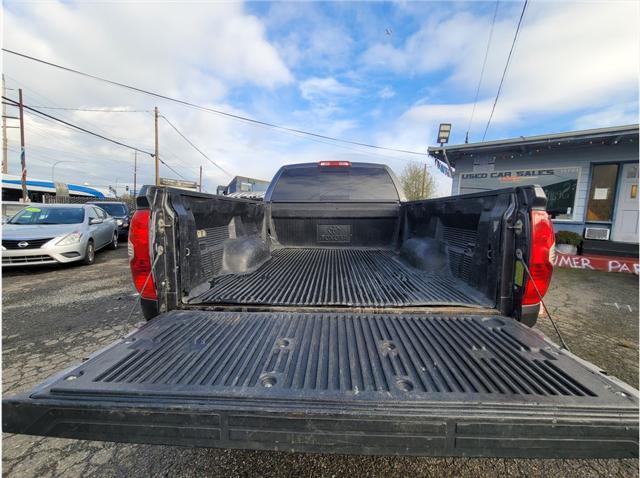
(54, 317)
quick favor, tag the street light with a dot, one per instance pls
(443, 137)
(53, 168)
(443, 133)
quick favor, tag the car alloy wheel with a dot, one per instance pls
(90, 254)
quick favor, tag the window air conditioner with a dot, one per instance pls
(598, 233)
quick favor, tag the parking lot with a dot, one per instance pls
(54, 317)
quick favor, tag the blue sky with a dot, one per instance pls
(380, 73)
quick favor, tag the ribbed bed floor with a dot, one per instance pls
(346, 277)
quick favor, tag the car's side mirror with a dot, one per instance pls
(95, 220)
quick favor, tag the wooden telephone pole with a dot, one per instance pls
(23, 159)
(135, 172)
(200, 183)
(157, 151)
(5, 164)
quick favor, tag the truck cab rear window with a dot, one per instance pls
(351, 184)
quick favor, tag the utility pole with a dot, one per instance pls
(200, 184)
(424, 179)
(135, 171)
(157, 153)
(23, 160)
(5, 165)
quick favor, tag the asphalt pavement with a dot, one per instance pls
(54, 317)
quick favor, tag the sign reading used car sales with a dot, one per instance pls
(525, 173)
(559, 184)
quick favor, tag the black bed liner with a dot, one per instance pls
(340, 276)
(344, 383)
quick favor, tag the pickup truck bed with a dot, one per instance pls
(386, 384)
(335, 317)
(340, 276)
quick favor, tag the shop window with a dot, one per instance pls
(602, 192)
(559, 185)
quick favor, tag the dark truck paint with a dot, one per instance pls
(336, 317)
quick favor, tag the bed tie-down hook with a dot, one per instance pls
(517, 227)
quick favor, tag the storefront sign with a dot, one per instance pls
(502, 175)
(559, 184)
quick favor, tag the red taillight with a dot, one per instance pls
(334, 164)
(139, 255)
(541, 257)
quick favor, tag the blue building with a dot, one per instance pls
(242, 184)
(37, 188)
(590, 178)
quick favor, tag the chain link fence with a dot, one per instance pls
(51, 199)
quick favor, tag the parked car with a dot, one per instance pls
(334, 316)
(50, 234)
(119, 211)
(10, 208)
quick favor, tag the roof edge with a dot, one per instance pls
(526, 140)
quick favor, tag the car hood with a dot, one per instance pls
(37, 231)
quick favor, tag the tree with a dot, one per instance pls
(416, 182)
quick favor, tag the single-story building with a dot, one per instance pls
(590, 178)
(243, 184)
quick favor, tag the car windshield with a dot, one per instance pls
(114, 209)
(49, 215)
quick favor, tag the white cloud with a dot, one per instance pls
(312, 37)
(570, 58)
(322, 88)
(616, 115)
(437, 44)
(200, 53)
(386, 93)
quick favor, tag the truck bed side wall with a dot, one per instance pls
(467, 231)
(211, 233)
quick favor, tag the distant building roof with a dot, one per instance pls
(609, 135)
(243, 184)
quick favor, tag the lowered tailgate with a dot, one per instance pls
(343, 383)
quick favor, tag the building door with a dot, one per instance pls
(625, 228)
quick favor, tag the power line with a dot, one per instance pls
(484, 64)
(506, 67)
(84, 130)
(171, 169)
(52, 103)
(94, 110)
(211, 110)
(79, 128)
(195, 147)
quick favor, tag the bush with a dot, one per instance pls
(568, 237)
